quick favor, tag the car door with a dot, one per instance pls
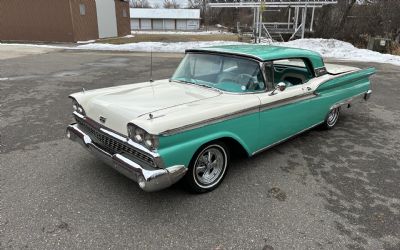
(284, 113)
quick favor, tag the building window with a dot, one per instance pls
(82, 9)
(124, 13)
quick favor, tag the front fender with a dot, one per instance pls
(180, 148)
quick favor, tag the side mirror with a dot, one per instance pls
(281, 86)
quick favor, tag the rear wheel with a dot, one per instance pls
(332, 118)
(207, 168)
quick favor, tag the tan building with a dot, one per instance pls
(165, 19)
(63, 20)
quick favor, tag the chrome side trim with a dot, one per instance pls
(260, 108)
(236, 114)
(287, 101)
(285, 139)
(211, 121)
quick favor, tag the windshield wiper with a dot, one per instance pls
(195, 82)
(180, 81)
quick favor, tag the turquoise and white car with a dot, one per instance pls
(241, 97)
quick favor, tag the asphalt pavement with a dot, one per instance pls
(336, 189)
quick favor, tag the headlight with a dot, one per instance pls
(142, 137)
(135, 133)
(77, 107)
(151, 141)
(138, 135)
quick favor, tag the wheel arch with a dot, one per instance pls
(183, 153)
(233, 144)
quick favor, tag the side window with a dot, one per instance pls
(269, 74)
(293, 71)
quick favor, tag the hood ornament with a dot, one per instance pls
(150, 116)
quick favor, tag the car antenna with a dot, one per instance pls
(151, 65)
(151, 71)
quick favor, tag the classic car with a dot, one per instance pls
(223, 98)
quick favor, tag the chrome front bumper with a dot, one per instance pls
(149, 179)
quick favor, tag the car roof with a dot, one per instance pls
(265, 52)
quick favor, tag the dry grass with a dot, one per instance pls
(170, 38)
(395, 49)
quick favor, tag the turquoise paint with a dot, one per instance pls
(259, 130)
(179, 148)
(346, 79)
(267, 52)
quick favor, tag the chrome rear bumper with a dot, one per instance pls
(367, 95)
(149, 179)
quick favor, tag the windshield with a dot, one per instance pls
(227, 73)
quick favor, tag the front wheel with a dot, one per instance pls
(332, 118)
(207, 168)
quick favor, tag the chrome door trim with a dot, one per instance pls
(210, 121)
(287, 101)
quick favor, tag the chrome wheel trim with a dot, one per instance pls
(210, 166)
(332, 117)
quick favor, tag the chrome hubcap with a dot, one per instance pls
(210, 166)
(333, 116)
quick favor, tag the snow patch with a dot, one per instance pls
(326, 47)
(154, 46)
(341, 50)
(171, 32)
(88, 41)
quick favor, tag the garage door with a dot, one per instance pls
(181, 24)
(193, 24)
(157, 24)
(106, 18)
(169, 24)
(135, 24)
(145, 24)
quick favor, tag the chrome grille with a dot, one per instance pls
(113, 145)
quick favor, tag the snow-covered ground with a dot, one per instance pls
(154, 46)
(330, 48)
(341, 50)
(211, 32)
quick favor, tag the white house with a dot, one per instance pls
(164, 19)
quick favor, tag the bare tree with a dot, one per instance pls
(205, 11)
(356, 21)
(344, 16)
(139, 4)
(170, 4)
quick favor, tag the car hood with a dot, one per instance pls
(119, 105)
